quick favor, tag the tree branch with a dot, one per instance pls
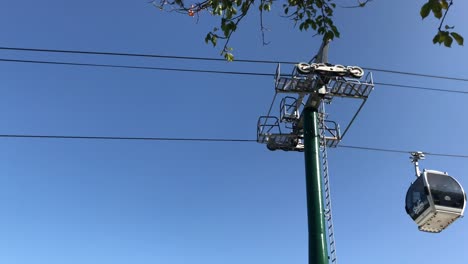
(262, 28)
(445, 14)
(360, 4)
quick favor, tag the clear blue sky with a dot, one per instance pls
(78, 201)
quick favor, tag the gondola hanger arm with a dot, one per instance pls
(415, 158)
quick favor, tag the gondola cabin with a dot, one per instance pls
(435, 200)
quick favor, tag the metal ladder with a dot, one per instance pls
(326, 183)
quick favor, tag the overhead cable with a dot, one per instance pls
(133, 67)
(203, 71)
(135, 55)
(82, 52)
(403, 151)
(127, 138)
(421, 88)
(30, 136)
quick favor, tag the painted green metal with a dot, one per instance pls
(318, 253)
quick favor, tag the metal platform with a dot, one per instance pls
(269, 132)
(345, 87)
(290, 109)
(336, 86)
(330, 132)
(296, 84)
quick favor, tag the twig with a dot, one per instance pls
(361, 4)
(445, 14)
(262, 28)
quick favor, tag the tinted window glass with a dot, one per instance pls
(416, 199)
(445, 190)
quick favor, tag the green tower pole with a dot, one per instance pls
(318, 253)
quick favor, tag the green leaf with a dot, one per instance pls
(458, 38)
(319, 3)
(436, 39)
(208, 38)
(335, 31)
(437, 9)
(425, 9)
(443, 35)
(313, 25)
(245, 7)
(329, 35)
(228, 56)
(214, 40)
(233, 26)
(448, 41)
(444, 4)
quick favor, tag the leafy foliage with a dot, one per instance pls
(439, 9)
(314, 15)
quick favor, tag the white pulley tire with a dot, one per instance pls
(303, 68)
(356, 71)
